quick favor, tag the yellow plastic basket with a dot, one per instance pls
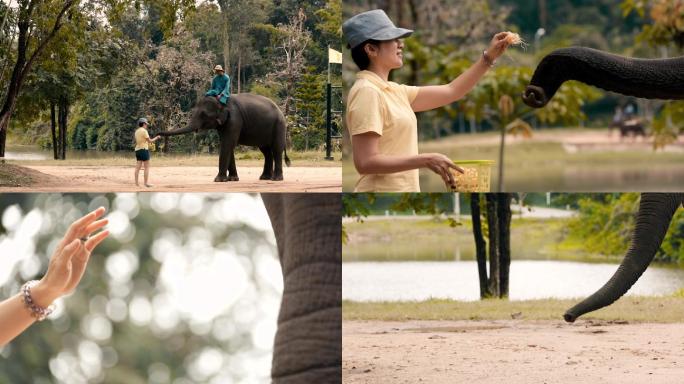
(476, 176)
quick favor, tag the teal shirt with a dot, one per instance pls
(220, 85)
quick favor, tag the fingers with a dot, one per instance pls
(500, 35)
(84, 221)
(445, 174)
(456, 167)
(58, 271)
(95, 240)
(95, 226)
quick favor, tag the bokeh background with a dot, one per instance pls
(186, 289)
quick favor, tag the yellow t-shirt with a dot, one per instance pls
(141, 137)
(375, 105)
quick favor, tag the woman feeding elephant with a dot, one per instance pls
(381, 114)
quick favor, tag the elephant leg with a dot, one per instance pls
(232, 169)
(267, 174)
(308, 344)
(278, 164)
(223, 158)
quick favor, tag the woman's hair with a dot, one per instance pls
(359, 55)
(140, 124)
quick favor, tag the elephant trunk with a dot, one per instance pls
(653, 219)
(645, 78)
(179, 131)
(308, 344)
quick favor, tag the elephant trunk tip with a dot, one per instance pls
(534, 96)
(569, 317)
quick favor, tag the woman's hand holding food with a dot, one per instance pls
(500, 42)
(442, 166)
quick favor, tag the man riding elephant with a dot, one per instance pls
(220, 88)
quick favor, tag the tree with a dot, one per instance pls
(38, 24)
(497, 207)
(666, 29)
(172, 81)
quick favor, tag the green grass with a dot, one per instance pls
(427, 239)
(537, 165)
(249, 158)
(666, 309)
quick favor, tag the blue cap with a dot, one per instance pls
(142, 120)
(371, 25)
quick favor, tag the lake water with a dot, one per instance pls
(529, 279)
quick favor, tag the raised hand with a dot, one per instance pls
(70, 258)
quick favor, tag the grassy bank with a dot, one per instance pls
(425, 239)
(249, 158)
(667, 309)
(545, 163)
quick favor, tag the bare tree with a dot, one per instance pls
(293, 41)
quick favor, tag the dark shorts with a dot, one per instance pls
(142, 155)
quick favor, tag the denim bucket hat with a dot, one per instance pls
(371, 25)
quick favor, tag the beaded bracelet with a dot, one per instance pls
(40, 313)
(490, 63)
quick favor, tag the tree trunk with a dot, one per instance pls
(480, 245)
(64, 111)
(501, 157)
(225, 31)
(239, 70)
(542, 13)
(53, 129)
(494, 267)
(504, 216)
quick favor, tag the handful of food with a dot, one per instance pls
(475, 177)
(513, 38)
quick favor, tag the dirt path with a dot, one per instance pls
(511, 352)
(180, 179)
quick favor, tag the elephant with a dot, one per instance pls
(247, 119)
(645, 78)
(652, 221)
(308, 343)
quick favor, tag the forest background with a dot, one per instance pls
(109, 62)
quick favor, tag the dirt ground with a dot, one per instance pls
(177, 179)
(511, 352)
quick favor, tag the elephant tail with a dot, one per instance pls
(287, 159)
(646, 78)
(653, 219)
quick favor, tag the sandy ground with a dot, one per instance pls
(180, 179)
(511, 352)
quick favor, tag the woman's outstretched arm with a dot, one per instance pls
(65, 271)
(435, 96)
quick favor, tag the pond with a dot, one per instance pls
(458, 280)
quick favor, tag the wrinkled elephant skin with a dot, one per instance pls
(308, 344)
(645, 78)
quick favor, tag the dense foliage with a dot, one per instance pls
(606, 221)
